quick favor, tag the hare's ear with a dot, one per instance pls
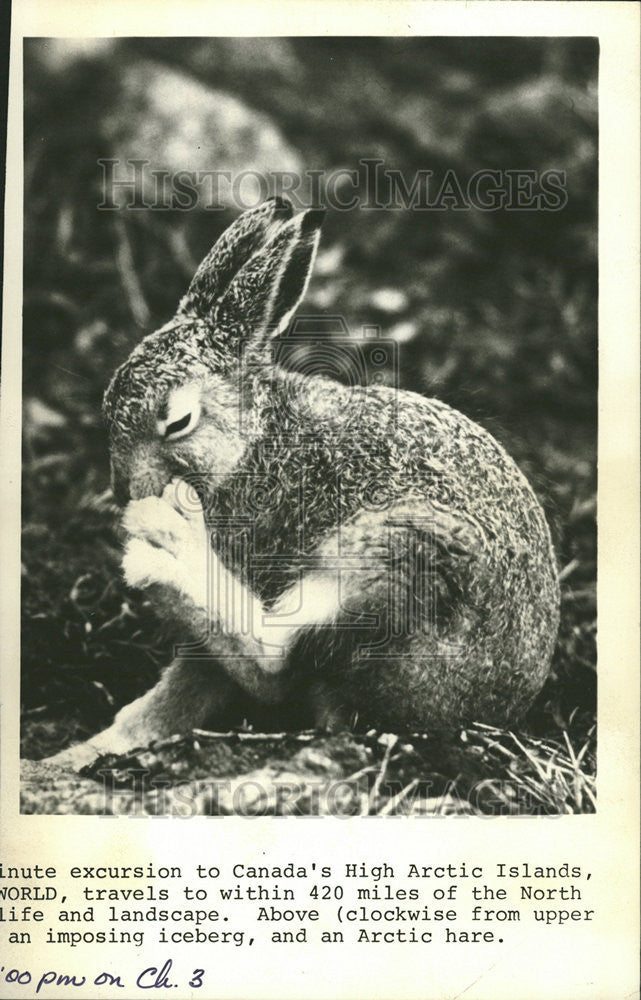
(268, 288)
(236, 245)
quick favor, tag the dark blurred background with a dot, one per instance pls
(494, 312)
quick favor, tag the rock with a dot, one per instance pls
(179, 125)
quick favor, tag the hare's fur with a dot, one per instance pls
(359, 551)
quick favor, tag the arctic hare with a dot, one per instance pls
(372, 554)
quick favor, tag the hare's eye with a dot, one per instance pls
(180, 414)
(178, 425)
(178, 428)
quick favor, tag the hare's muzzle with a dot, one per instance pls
(138, 474)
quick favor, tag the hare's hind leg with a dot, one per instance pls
(383, 629)
(189, 694)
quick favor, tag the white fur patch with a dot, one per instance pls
(315, 601)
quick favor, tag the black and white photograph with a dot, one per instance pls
(320, 446)
(310, 384)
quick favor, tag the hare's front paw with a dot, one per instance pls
(173, 522)
(168, 541)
